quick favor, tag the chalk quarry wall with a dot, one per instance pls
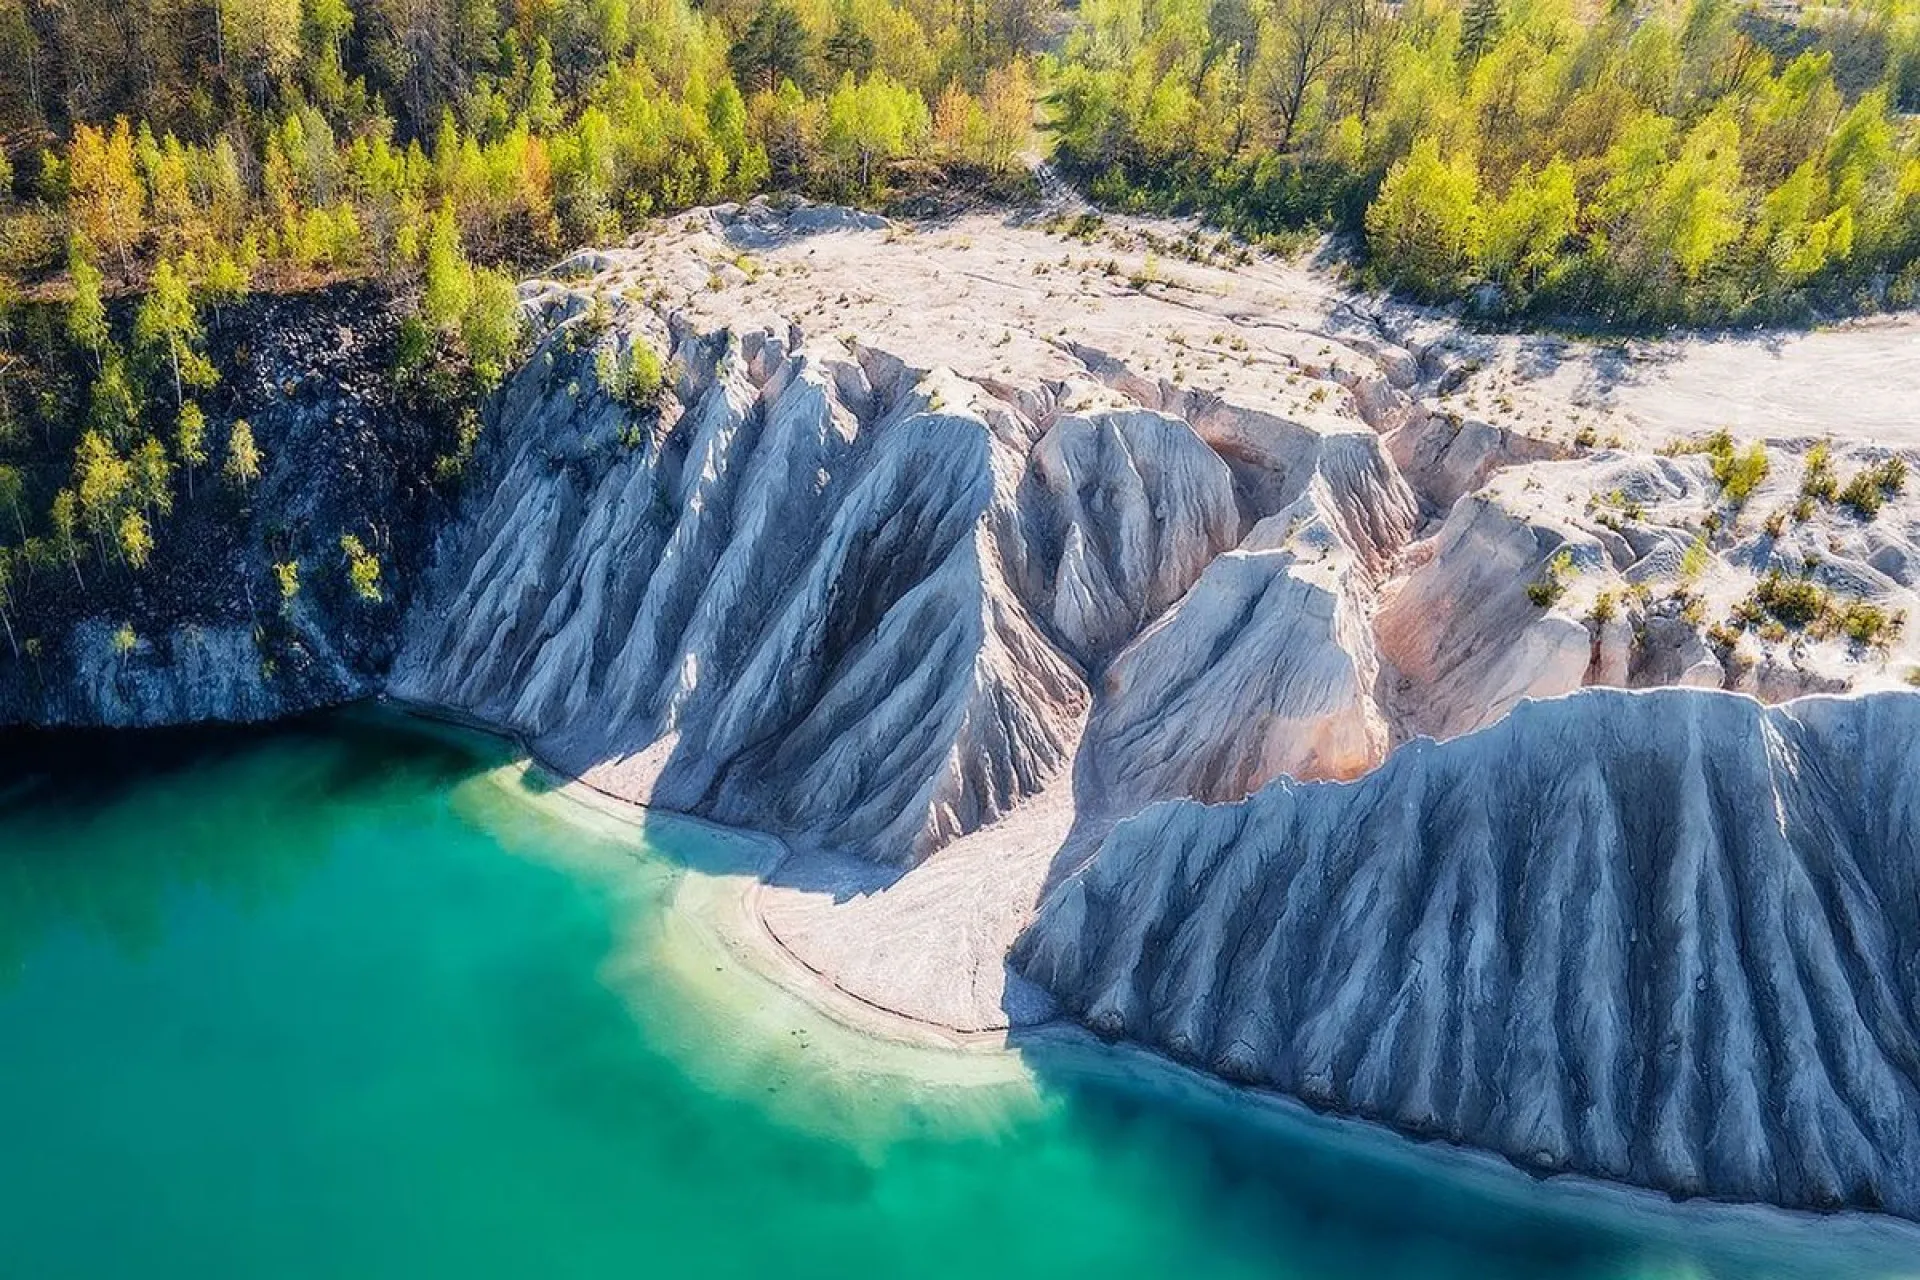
(1670, 938)
(824, 593)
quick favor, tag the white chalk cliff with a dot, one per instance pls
(1671, 938)
(829, 593)
(786, 608)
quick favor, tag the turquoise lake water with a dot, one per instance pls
(356, 998)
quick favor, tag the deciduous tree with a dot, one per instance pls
(190, 440)
(168, 328)
(105, 197)
(242, 468)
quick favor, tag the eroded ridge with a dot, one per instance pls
(784, 606)
(1670, 938)
(823, 590)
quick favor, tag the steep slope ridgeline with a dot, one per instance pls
(819, 590)
(784, 606)
(1671, 938)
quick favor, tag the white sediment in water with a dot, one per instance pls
(750, 1022)
(792, 1043)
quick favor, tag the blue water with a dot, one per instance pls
(354, 998)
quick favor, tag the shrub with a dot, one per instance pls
(1818, 482)
(1866, 624)
(1891, 476)
(1863, 496)
(1869, 489)
(1696, 559)
(286, 574)
(635, 378)
(492, 327)
(1793, 602)
(1740, 473)
(453, 464)
(1546, 590)
(363, 569)
(1780, 604)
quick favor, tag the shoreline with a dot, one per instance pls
(746, 934)
(728, 915)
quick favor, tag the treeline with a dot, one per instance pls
(180, 154)
(319, 136)
(1637, 163)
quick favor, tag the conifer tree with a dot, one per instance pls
(1480, 27)
(848, 49)
(773, 48)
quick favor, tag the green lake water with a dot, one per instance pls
(355, 998)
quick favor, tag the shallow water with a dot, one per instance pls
(356, 998)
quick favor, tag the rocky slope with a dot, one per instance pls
(784, 605)
(202, 633)
(865, 589)
(1670, 938)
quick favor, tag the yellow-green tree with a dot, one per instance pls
(106, 200)
(363, 569)
(1425, 225)
(168, 327)
(8, 558)
(63, 518)
(135, 540)
(190, 440)
(1527, 229)
(244, 458)
(102, 481)
(13, 496)
(87, 312)
(872, 119)
(153, 478)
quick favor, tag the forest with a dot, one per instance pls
(1631, 164)
(163, 160)
(1616, 162)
